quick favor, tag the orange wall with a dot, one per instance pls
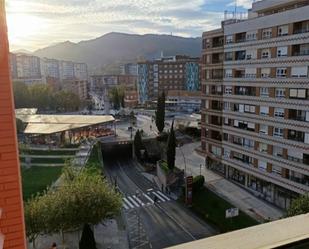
(12, 220)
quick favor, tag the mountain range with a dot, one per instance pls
(116, 48)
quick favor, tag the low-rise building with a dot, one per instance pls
(184, 100)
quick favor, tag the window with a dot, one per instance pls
(251, 35)
(299, 72)
(248, 143)
(262, 165)
(277, 151)
(276, 170)
(264, 129)
(278, 132)
(264, 110)
(265, 72)
(265, 53)
(282, 51)
(251, 54)
(228, 73)
(267, 33)
(263, 147)
(264, 92)
(227, 106)
(228, 90)
(250, 72)
(280, 93)
(283, 30)
(229, 56)
(279, 112)
(250, 108)
(229, 39)
(281, 72)
(298, 93)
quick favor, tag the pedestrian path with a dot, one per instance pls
(144, 199)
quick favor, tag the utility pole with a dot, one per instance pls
(200, 169)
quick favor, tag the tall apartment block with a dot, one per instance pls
(167, 73)
(12, 227)
(255, 104)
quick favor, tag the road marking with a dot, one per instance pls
(151, 200)
(163, 195)
(125, 199)
(138, 200)
(125, 206)
(163, 200)
(133, 201)
(150, 189)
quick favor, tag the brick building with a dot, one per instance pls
(11, 205)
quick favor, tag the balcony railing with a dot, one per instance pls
(301, 31)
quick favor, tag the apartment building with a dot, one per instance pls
(167, 73)
(50, 68)
(28, 66)
(255, 104)
(128, 69)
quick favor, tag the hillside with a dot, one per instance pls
(115, 48)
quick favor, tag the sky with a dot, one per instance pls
(34, 24)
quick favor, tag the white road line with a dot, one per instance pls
(163, 200)
(151, 200)
(138, 200)
(134, 202)
(125, 206)
(129, 204)
(163, 195)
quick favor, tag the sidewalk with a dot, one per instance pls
(248, 203)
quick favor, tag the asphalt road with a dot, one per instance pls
(152, 225)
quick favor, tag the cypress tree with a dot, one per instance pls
(160, 112)
(87, 240)
(171, 148)
(138, 144)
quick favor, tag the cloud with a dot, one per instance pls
(241, 3)
(75, 20)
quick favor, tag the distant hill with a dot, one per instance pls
(115, 48)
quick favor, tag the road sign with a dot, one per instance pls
(189, 190)
(232, 212)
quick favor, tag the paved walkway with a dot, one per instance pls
(231, 192)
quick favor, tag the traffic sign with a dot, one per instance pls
(231, 212)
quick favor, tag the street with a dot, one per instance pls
(152, 224)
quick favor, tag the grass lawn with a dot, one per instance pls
(211, 208)
(37, 179)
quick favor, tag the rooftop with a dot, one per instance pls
(268, 235)
(49, 124)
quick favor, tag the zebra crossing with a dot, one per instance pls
(144, 199)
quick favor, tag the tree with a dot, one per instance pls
(160, 112)
(21, 95)
(35, 217)
(87, 240)
(299, 206)
(83, 198)
(138, 144)
(171, 148)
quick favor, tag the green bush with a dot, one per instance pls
(198, 183)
